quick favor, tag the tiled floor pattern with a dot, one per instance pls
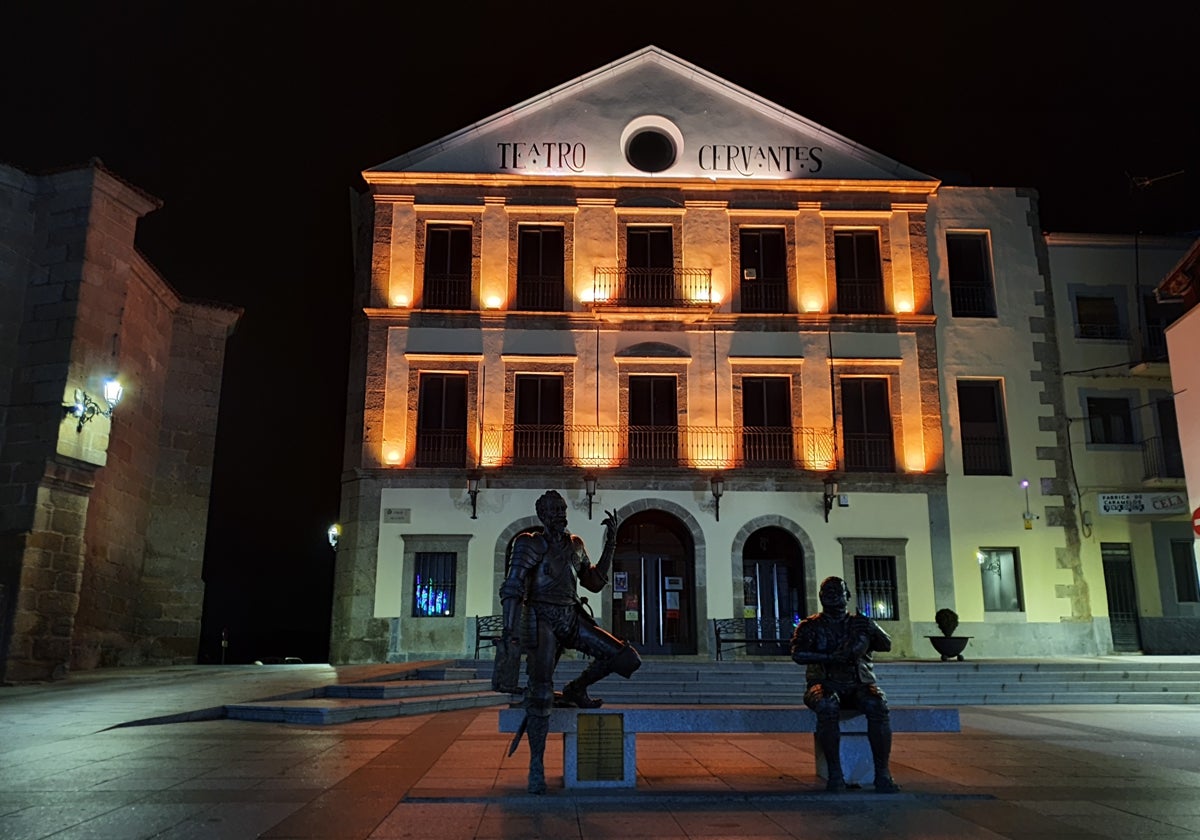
(1014, 772)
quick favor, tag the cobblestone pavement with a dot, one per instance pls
(70, 770)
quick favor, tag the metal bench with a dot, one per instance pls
(594, 765)
(731, 633)
(489, 629)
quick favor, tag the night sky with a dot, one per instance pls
(252, 122)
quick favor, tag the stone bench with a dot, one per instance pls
(607, 758)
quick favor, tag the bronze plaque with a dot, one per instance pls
(601, 740)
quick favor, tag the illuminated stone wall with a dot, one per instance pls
(102, 526)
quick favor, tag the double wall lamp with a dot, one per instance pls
(85, 408)
(831, 494)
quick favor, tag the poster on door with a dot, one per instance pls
(671, 603)
(632, 606)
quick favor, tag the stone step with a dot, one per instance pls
(317, 711)
(406, 688)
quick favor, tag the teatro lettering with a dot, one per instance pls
(757, 160)
(545, 155)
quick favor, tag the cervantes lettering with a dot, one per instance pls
(753, 160)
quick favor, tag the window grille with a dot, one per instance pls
(434, 578)
(875, 587)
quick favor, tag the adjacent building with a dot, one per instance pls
(774, 354)
(109, 386)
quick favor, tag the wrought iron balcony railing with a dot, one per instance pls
(972, 300)
(1161, 458)
(446, 291)
(985, 455)
(540, 293)
(860, 297)
(652, 287)
(764, 296)
(658, 446)
(868, 452)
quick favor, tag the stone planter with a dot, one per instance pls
(950, 647)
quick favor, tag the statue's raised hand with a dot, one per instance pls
(611, 523)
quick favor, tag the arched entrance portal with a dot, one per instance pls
(773, 579)
(654, 584)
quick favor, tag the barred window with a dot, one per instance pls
(434, 577)
(1000, 571)
(875, 587)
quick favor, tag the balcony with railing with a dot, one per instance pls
(972, 300)
(985, 455)
(868, 452)
(446, 291)
(860, 297)
(764, 296)
(658, 446)
(539, 293)
(1162, 459)
(663, 288)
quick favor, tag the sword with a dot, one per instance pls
(516, 741)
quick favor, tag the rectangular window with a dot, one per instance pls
(447, 267)
(767, 420)
(1097, 317)
(867, 425)
(650, 266)
(540, 268)
(653, 421)
(1183, 558)
(875, 587)
(971, 290)
(859, 274)
(981, 423)
(1162, 455)
(1000, 570)
(764, 270)
(538, 430)
(442, 420)
(434, 577)
(1109, 420)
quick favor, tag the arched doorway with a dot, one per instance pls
(773, 582)
(654, 584)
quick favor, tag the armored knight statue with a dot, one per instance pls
(836, 649)
(544, 615)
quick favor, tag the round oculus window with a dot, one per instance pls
(650, 150)
(652, 143)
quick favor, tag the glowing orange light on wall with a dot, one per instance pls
(493, 302)
(399, 300)
(914, 461)
(812, 305)
(493, 453)
(904, 305)
(392, 455)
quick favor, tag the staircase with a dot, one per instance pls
(745, 682)
(408, 692)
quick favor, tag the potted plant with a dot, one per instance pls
(947, 644)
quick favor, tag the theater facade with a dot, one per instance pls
(775, 354)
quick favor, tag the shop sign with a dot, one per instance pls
(1153, 504)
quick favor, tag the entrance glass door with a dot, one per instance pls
(654, 588)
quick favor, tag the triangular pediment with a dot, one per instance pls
(651, 114)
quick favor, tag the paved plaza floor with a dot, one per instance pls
(1060, 772)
